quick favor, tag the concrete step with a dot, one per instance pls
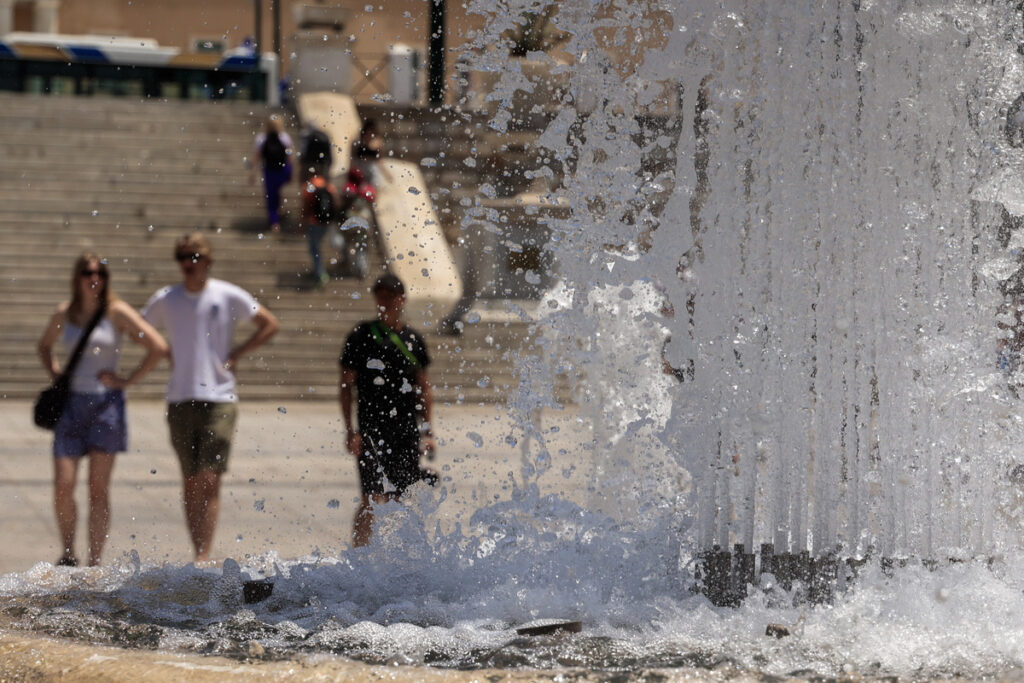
(170, 147)
(253, 388)
(270, 375)
(246, 219)
(294, 352)
(89, 180)
(126, 201)
(306, 364)
(156, 132)
(284, 379)
(300, 340)
(114, 109)
(296, 358)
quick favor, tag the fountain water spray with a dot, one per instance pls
(816, 209)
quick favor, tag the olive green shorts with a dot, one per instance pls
(201, 434)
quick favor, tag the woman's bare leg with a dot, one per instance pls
(101, 465)
(65, 472)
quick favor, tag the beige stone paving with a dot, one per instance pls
(287, 468)
(24, 658)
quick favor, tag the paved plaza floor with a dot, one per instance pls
(291, 486)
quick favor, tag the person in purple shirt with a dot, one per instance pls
(272, 149)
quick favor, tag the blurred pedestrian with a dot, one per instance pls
(385, 361)
(273, 151)
(366, 171)
(317, 155)
(93, 423)
(358, 199)
(199, 315)
(319, 205)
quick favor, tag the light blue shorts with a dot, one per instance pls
(91, 422)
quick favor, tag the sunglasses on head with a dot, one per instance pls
(89, 272)
(181, 257)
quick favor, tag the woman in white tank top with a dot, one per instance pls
(93, 423)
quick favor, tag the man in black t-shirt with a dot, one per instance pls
(386, 362)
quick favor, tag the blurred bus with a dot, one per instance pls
(58, 64)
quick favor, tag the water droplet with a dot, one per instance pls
(333, 504)
(428, 162)
(95, 212)
(282, 410)
(375, 364)
(483, 382)
(355, 223)
(153, 471)
(477, 440)
(258, 505)
(473, 318)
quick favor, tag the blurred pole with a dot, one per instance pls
(435, 68)
(257, 38)
(276, 18)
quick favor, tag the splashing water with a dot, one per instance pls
(819, 214)
(780, 283)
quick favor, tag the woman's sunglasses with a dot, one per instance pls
(89, 272)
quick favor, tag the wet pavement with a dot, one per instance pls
(291, 487)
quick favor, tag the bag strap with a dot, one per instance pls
(76, 355)
(396, 340)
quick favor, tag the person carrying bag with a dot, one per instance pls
(85, 407)
(52, 400)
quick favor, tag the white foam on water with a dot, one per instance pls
(413, 602)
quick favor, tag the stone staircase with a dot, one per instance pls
(126, 178)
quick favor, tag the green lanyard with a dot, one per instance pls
(396, 340)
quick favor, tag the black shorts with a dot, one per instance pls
(400, 466)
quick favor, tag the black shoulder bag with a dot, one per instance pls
(51, 401)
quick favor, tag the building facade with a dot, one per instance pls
(369, 34)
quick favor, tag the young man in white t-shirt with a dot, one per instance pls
(199, 316)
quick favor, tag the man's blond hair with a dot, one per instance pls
(195, 243)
